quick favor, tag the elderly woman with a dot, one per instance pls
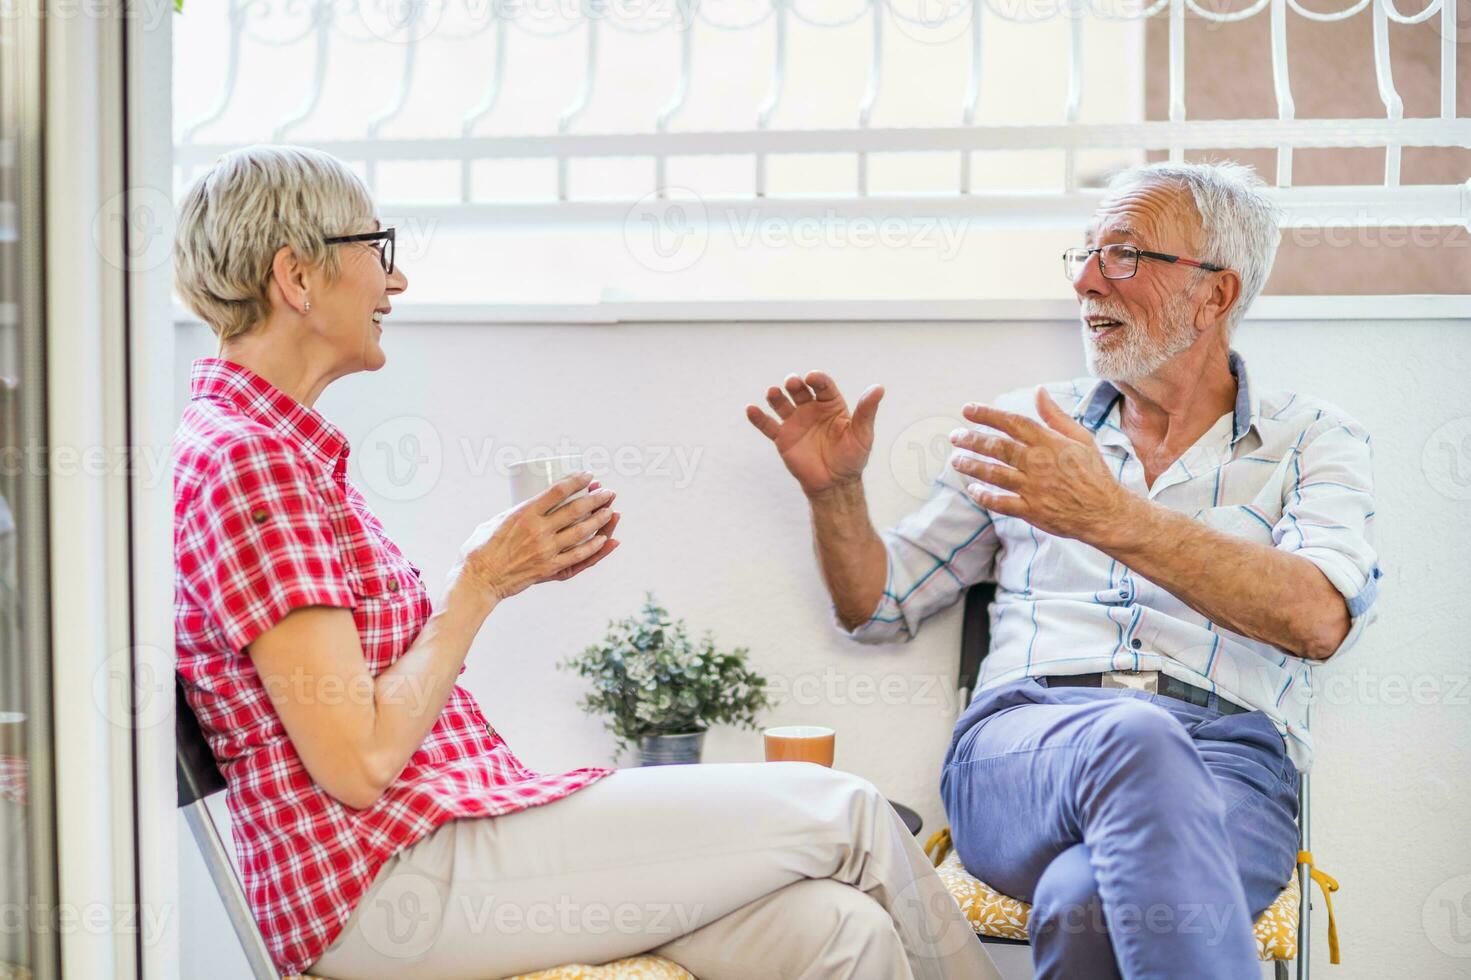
(383, 827)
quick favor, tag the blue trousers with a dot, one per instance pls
(1147, 833)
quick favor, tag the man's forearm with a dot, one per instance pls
(849, 551)
(1249, 588)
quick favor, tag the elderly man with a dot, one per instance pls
(1173, 549)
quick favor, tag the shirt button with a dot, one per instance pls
(259, 515)
(393, 585)
(1136, 643)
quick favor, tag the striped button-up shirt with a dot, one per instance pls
(1283, 470)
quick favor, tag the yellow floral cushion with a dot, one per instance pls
(991, 913)
(633, 968)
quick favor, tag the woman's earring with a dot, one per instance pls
(306, 307)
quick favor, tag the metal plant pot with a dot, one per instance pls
(670, 750)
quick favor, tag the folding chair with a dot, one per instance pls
(1282, 931)
(200, 778)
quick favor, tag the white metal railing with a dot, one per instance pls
(493, 23)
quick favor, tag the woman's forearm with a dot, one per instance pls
(409, 696)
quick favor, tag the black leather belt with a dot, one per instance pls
(1150, 681)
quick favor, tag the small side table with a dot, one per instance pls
(912, 820)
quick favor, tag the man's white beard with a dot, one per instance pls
(1136, 354)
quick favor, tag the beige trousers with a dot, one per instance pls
(765, 871)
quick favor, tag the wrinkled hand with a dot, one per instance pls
(540, 541)
(1055, 477)
(822, 445)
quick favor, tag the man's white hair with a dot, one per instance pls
(239, 212)
(1238, 222)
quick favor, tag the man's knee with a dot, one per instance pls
(1137, 730)
(1140, 747)
(1129, 721)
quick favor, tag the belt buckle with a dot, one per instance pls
(1133, 680)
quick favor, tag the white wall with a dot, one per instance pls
(730, 551)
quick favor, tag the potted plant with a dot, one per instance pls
(661, 690)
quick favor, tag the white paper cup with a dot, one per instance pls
(530, 477)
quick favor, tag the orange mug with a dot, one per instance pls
(800, 743)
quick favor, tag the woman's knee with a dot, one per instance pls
(847, 785)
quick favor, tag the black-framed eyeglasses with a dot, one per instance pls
(382, 240)
(1122, 261)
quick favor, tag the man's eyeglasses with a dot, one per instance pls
(381, 239)
(1122, 261)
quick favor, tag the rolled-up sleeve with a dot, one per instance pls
(935, 554)
(1328, 515)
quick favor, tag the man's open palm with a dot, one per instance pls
(819, 441)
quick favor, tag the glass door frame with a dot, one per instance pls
(106, 154)
(22, 75)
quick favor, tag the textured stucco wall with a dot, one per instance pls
(728, 549)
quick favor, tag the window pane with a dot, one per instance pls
(27, 857)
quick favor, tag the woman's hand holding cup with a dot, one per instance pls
(548, 537)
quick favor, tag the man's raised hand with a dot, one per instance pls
(821, 443)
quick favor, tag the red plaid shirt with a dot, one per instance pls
(265, 522)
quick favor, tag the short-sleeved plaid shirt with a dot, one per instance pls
(265, 522)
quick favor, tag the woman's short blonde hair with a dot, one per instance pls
(242, 210)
